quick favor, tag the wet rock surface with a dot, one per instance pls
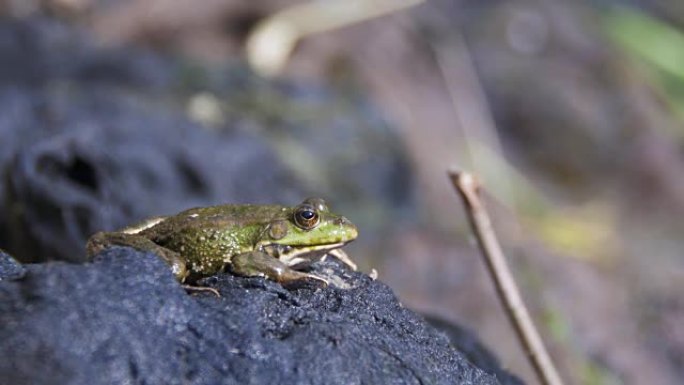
(123, 319)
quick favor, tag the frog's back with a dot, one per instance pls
(208, 237)
(222, 216)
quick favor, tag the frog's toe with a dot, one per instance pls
(97, 243)
(303, 280)
(201, 289)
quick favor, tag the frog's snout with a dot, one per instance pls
(343, 221)
(346, 223)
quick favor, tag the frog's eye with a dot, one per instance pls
(306, 217)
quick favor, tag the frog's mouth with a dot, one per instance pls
(298, 255)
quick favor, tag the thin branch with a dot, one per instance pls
(506, 288)
(272, 41)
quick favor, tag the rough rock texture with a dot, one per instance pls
(9, 268)
(472, 348)
(123, 319)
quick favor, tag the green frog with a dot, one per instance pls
(270, 241)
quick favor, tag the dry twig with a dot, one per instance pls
(271, 42)
(508, 292)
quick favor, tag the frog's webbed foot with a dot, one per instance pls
(103, 240)
(256, 264)
(343, 257)
(201, 289)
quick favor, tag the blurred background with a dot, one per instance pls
(571, 113)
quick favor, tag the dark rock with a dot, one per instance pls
(10, 268)
(101, 162)
(92, 140)
(470, 346)
(123, 319)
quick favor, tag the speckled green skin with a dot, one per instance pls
(202, 241)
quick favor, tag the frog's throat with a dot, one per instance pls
(294, 255)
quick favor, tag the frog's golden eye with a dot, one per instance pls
(306, 217)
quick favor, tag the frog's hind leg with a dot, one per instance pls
(143, 225)
(201, 289)
(257, 264)
(103, 240)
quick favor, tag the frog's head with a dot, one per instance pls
(307, 231)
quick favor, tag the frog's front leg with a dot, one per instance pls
(258, 264)
(103, 240)
(343, 257)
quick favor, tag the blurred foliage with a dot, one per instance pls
(595, 374)
(557, 323)
(658, 44)
(591, 371)
(587, 231)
